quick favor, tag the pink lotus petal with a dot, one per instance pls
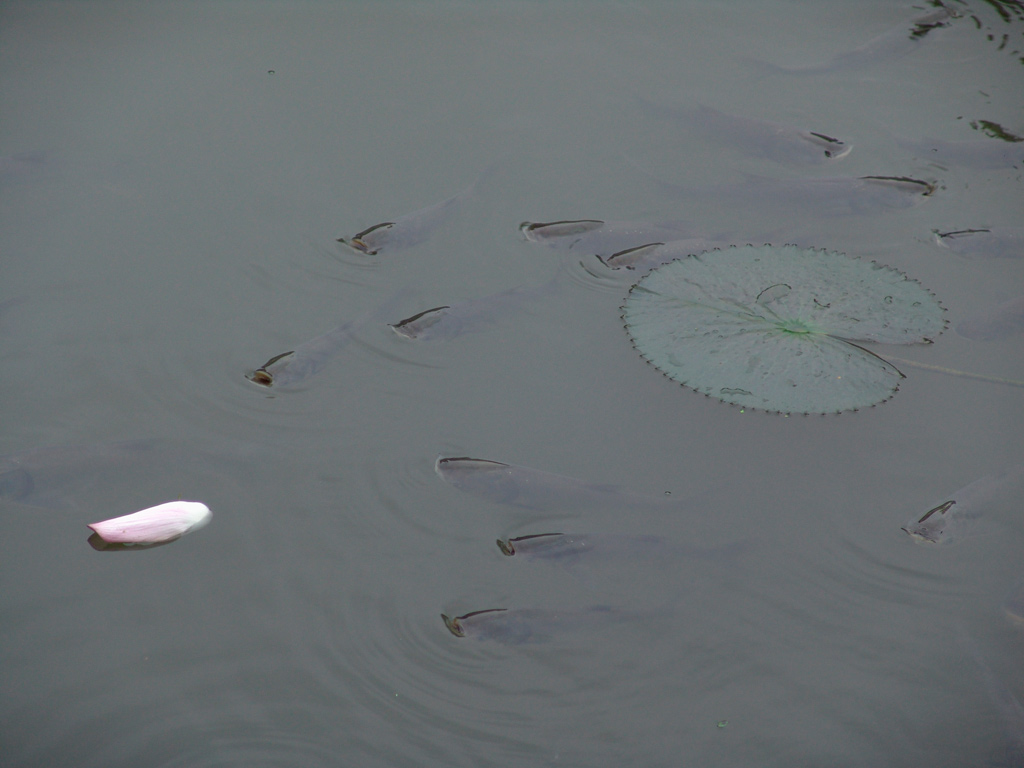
(162, 523)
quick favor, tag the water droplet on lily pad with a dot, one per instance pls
(775, 327)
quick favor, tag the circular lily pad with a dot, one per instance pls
(775, 327)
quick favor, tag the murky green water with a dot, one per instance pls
(174, 179)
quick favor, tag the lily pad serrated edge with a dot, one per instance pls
(926, 289)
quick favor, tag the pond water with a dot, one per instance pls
(174, 180)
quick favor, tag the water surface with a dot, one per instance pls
(174, 180)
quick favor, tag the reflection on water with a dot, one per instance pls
(899, 41)
(210, 155)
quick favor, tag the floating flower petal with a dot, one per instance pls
(162, 523)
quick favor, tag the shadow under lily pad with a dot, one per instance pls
(774, 327)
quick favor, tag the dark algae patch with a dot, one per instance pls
(995, 130)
